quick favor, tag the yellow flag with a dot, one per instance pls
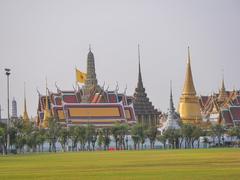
(80, 76)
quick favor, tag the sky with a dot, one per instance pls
(49, 38)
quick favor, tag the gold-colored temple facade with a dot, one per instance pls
(189, 110)
(94, 112)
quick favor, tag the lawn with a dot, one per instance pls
(154, 164)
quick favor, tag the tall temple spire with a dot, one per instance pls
(222, 92)
(140, 83)
(145, 111)
(189, 88)
(189, 107)
(171, 104)
(223, 84)
(47, 112)
(25, 114)
(14, 108)
(91, 79)
(172, 121)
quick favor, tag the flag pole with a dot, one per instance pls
(76, 84)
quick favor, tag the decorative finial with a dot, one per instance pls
(189, 58)
(171, 88)
(117, 87)
(24, 90)
(223, 84)
(90, 47)
(125, 90)
(47, 107)
(139, 60)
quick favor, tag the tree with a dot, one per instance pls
(163, 139)
(20, 140)
(187, 132)
(74, 134)
(100, 139)
(135, 135)
(91, 136)
(106, 136)
(123, 131)
(53, 133)
(152, 135)
(82, 135)
(218, 131)
(42, 136)
(115, 133)
(196, 134)
(3, 138)
(172, 136)
(63, 137)
(138, 133)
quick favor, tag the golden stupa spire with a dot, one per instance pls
(222, 93)
(189, 88)
(25, 114)
(189, 107)
(223, 84)
(47, 112)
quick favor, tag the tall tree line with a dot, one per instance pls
(28, 138)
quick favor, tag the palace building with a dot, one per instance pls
(222, 107)
(90, 104)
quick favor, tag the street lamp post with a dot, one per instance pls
(7, 71)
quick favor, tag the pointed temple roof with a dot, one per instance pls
(172, 117)
(171, 105)
(91, 79)
(14, 108)
(25, 114)
(189, 106)
(47, 112)
(142, 105)
(189, 88)
(222, 93)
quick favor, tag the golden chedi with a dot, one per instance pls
(47, 111)
(189, 107)
(26, 119)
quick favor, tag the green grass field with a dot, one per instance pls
(155, 164)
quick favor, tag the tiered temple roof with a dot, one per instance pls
(173, 118)
(145, 111)
(222, 107)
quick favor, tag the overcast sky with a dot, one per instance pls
(48, 38)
